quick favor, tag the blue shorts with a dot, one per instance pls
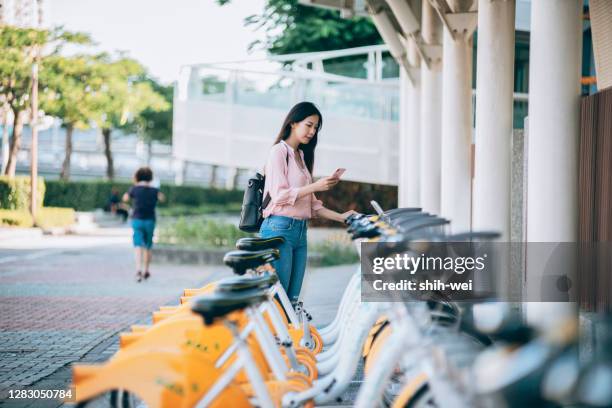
(143, 233)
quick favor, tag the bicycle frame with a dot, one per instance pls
(244, 360)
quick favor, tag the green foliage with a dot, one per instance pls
(18, 50)
(89, 195)
(126, 92)
(180, 210)
(80, 195)
(15, 192)
(17, 54)
(154, 122)
(47, 217)
(291, 27)
(335, 253)
(16, 218)
(212, 85)
(201, 233)
(193, 196)
(69, 86)
(50, 217)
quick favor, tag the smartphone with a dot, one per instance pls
(338, 173)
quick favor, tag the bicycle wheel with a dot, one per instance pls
(424, 399)
(131, 400)
(108, 399)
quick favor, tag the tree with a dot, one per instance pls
(154, 123)
(17, 46)
(123, 96)
(69, 86)
(17, 54)
(291, 28)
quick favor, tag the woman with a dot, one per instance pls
(144, 200)
(291, 190)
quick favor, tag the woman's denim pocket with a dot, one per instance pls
(278, 223)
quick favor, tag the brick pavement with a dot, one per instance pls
(68, 306)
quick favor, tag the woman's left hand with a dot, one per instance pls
(347, 214)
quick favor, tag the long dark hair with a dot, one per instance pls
(297, 114)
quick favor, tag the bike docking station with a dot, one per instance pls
(427, 312)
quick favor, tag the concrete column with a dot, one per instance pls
(456, 130)
(431, 113)
(554, 116)
(494, 90)
(409, 154)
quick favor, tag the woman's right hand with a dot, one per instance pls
(325, 183)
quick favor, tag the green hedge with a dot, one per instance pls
(47, 217)
(16, 218)
(201, 233)
(190, 195)
(89, 195)
(15, 192)
(334, 253)
(180, 210)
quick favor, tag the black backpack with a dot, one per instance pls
(253, 203)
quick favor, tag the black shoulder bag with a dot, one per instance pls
(253, 203)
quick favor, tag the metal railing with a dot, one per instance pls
(362, 90)
(228, 113)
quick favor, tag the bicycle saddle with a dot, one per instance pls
(218, 304)
(240, 283)
(256, 244)
(240, 261)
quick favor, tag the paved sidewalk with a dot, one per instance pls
(65, 299)
(59, 305)
(322, 293)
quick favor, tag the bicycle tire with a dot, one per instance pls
(99, 401)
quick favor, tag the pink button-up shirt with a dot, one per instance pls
(284, 178)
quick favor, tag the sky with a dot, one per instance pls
(162, 34)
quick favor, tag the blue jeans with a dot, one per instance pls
(291, 266)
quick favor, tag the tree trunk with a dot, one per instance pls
(149, 152)
(236, 176)
(11, 165)
(110, 170)
(5, 138)
(213, 175)
(65, 174)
